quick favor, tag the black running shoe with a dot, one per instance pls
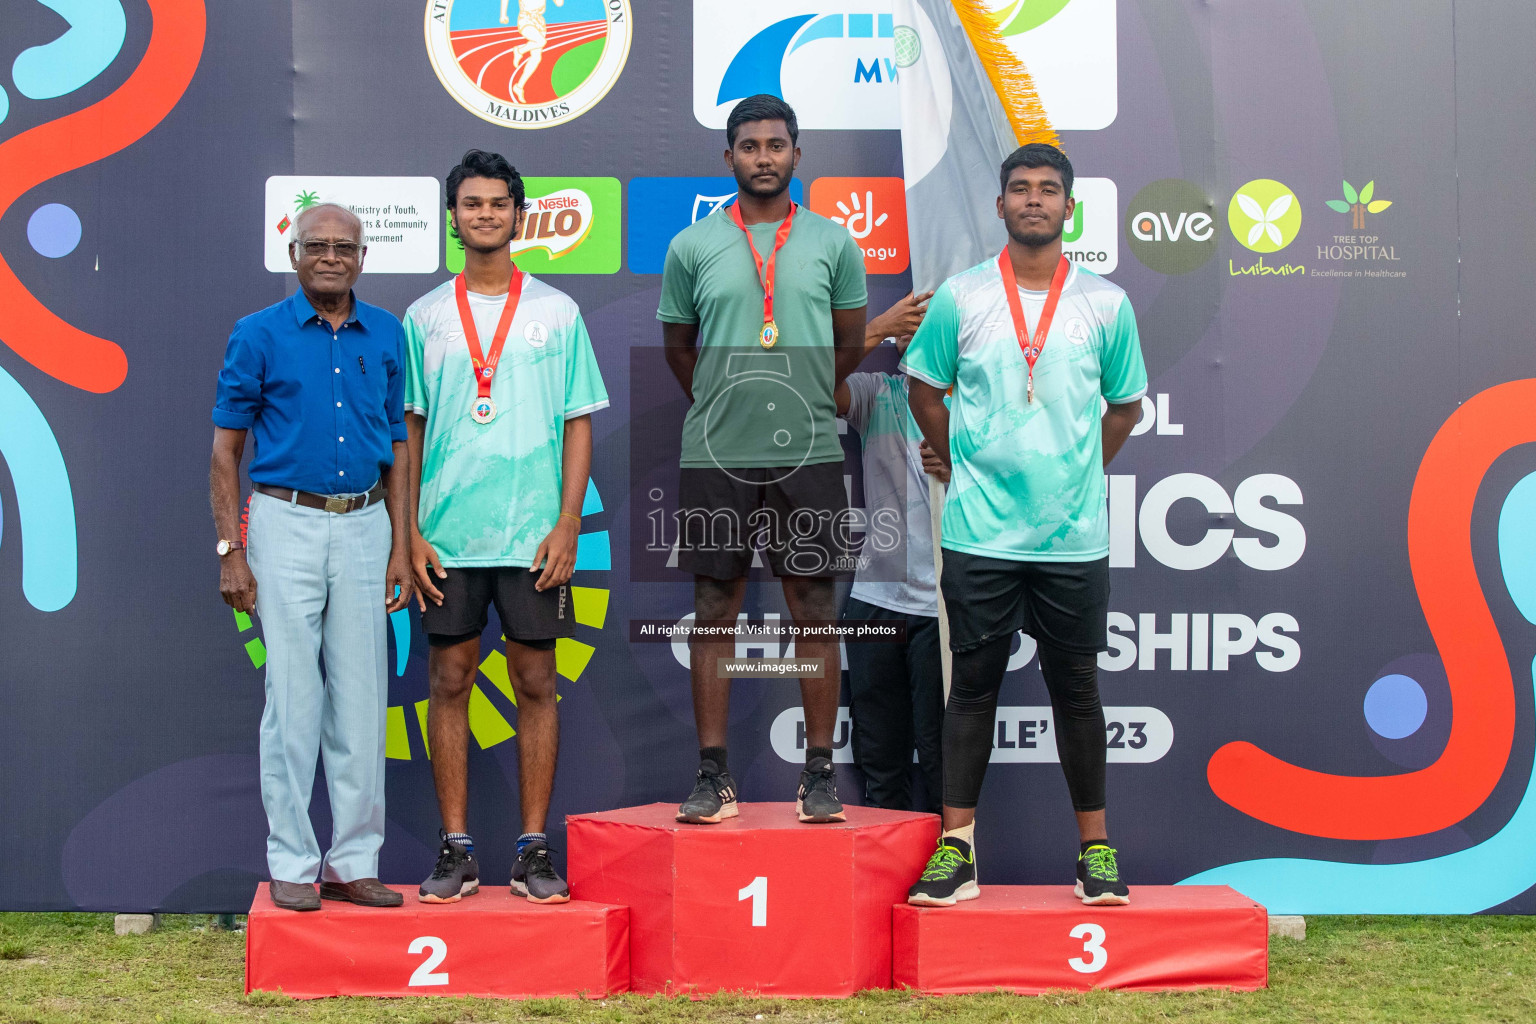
(817, 799)
(1098, 878)
(534, 876)
(457, 874)
(949, 877)
(713, 798)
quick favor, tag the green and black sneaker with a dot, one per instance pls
(949, 877)
(1098, 878)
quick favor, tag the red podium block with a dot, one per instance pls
(759, 902)
(489, 944)
(1033, 938)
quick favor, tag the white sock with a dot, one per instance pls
(966, 833)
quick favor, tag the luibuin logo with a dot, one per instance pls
(1264, 215)
(1358, 204)
(520, 64)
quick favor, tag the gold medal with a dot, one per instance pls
(770, 335)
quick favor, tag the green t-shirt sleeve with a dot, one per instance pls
(934, 353)
(677, 279)
(1123, 377)
(848, 286)
(415, 356)
(584, 390)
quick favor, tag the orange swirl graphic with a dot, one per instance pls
(38, 335)
(1482, 687)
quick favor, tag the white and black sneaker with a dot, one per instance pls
(1098, 878)
(713, 798)
(949, 877)
(456, 875)
(817, 799)
(534, 876)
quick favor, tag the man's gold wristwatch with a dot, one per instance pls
(224, 547)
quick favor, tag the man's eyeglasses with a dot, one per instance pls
(315, 249)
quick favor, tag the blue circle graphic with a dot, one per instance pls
(54, 230)
(1395, 706)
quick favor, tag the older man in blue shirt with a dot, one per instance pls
(319, 380)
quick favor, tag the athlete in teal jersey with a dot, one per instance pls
(501, 447)
(1025, 533)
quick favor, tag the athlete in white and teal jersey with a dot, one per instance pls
(1025, 531)
(1028, 476)
(491, 492)
(498, 498)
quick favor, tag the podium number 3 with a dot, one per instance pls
(427, 973)
(1093, 944)
(757, 892)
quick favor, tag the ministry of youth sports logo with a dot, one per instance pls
(528, 63)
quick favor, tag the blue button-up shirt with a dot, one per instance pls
(323, 405)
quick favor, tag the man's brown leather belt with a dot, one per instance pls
(320, 501)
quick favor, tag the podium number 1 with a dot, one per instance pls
(426, 973)
(757, 892)
(1093, 944)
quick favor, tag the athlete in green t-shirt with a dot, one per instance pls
(763, 305)
(1034, 348)
(501, 382)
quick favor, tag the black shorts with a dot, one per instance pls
(1064, 604)
(799, 518)
(531, 617)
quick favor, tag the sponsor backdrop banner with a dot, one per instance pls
(1324, 610)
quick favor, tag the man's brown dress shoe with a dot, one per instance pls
(365, 892)
(294, 895)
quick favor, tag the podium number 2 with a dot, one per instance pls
(757, 892)
(1093, 944)
(427, 973)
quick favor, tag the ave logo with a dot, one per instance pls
(1151, 227)
(1170, 226)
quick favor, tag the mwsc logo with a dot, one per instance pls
(837, 68)
(520, 64)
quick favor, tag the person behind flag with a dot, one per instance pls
(760, 451)
(501, 383)
(896, 691)
(1033, 346)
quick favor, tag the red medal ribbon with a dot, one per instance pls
(766, 277)
(1032, 347)
(485, 365)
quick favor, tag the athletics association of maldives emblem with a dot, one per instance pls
(528, 63)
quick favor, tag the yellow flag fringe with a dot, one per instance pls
(1010, 78)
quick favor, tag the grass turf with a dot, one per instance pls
(71, 967)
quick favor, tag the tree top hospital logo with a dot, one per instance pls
(528, 63)
(1264, 215)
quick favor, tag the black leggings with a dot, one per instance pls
(971, 715)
